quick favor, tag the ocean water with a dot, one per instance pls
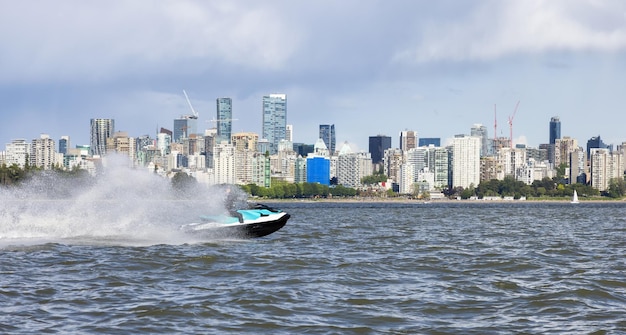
(335, 268)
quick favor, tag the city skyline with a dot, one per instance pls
(435, 68)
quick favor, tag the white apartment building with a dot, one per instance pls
(604, 166)
(43, 152)
(224, 163)
(466, 161)
(352, 167)
(17, 152)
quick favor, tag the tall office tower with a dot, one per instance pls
(184, 126)
(377, 146)
(408, 140)
(274, 120)
(289, 132)
(595, 142)
(43, 152)
(424, 142)
(224, 119)
(101, 129)
(465, 161)
(480, 130)
(64, 144)
(327, 134)
(555, 133)
(555, 129)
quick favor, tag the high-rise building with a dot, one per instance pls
(274, 120)
(605, 166)
(43, 152)
(121, 144)
(480, 130)
(595, 142)
(408, 140)
(377, 146)
(466, 161)
(64, 144)
(555, 129)
(224, 119)
(17, 152)
(563, 147)
(352, 167)
(184, 126)
(555, 133)
(318, 170)
(327, 134)
(577, 166)
(426, 141)
(101, 129)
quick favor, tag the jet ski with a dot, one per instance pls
(257, 221)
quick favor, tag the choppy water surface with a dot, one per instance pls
(335, 268)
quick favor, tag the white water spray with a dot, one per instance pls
(120, 206)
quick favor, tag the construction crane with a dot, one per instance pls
(193, 111)
(511, 123)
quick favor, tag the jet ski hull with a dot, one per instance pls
(249, 223)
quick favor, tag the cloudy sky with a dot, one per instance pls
(369, 67)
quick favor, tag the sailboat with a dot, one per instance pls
(575, 198)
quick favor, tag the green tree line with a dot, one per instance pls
(284, 190)
(546, 187)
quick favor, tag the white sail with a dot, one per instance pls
(575, 197)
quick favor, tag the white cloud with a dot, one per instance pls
(497, 29)
(71, 40)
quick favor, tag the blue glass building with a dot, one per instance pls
(318, 170)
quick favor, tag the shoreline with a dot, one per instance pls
(421, 201)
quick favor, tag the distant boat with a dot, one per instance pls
(575, 197)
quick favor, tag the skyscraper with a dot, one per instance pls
(185, 126)
(274, 120)
(377, 146)
(424, 142)
(224, 119)
(101, 129)
(327, 134)
(64, 144)
(595, 143)
(408, 140)
(555, 129)
(480, 130)
(466, 161)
